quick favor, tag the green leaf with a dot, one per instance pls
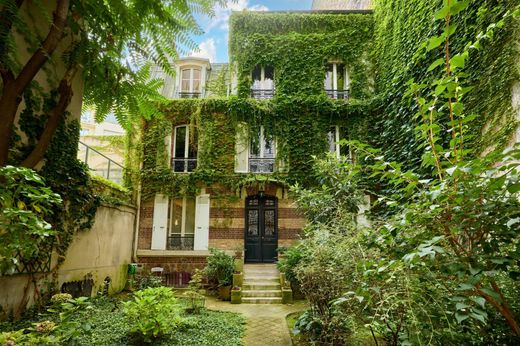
(435, 42)
(513, 188)
(460, 317)
(479, 300)
(458, 61)
(435, 64)
(442, 13)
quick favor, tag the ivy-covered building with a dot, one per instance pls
(217, 168)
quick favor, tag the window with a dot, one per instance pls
(87, 116)
(334, 135)
(262, 152)
(337, 81)
(182, 224)
(190, 83)
(84, 132)
(184, 149)
(263, 82)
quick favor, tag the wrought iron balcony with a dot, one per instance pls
(262, 94)
(189, 95)
(180, 242)
(184, 165)
(261, 165)
(337, 94)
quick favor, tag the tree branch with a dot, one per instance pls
(54, 117)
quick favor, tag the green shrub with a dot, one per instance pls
(153, 313)
(147, 281)
(288, 263)
(220, 268)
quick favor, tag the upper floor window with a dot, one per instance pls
(87, 116)
(334, 136)
(337, 82)
(182, 224)
(262, 152)
(184, 149)
(263, 82)
(190, 83)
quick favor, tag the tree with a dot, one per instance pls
(110, 43)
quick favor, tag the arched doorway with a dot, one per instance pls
(261, 229)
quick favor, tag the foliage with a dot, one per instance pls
(104, 323)
(25, 204)
(401, 28)
(220, 268)
(142, 282)
(153, 313)
(288, 263)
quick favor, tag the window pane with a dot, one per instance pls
(176, 217)
(185, 80)
(255, 144)
(269, 72)
(190, 216)
(257, 73)
(344, 149)
(180, 142)
(341, 77)
(192, 150)
(269, 147)
(196, 80)
(328, 78)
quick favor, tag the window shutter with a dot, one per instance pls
(160, 222)
(241, 149)
(201, 237)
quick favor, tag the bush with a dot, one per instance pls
(220, 268)
(147, 281)
(153, 313)
(288, 263)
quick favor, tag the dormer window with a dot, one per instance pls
(190, 83)
(262, 152)
(184, 158)
(263, 82)
(337, 81)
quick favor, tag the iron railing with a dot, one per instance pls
(261, 165)
(180, 242)
(262, 94)
(183, 165)
(337, 94)
(100, 164)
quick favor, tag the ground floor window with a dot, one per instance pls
(182, 224)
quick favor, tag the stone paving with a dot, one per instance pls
(266, 324)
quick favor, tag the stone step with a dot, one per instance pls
(262, 286)
(256, 280)
(262, 300)
(261, 293)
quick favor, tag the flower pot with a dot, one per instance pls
(236, 296)
(224, 292)
(238, 279)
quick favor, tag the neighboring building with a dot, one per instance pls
(321, 5)
(226, 177)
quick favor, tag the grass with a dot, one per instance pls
(106, 326)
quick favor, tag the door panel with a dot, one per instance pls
(261, 233)
(160, 222)
(201, 223)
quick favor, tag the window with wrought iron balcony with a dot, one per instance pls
(262, 152)
(263, 82)
(337, 81)
(184, 158)
(190, 83)
(182, 224)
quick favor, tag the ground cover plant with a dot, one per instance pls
(439, 262)
(110, 321)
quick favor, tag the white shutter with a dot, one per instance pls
(201, 239)
(160, 222)
(241, 149)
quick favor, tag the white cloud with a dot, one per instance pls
(207, 49)
(221, 18)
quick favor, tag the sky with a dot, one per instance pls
(214, 43)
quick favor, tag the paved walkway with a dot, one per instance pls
(266, 325)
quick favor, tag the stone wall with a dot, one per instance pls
(103, 252)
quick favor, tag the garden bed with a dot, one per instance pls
(103, 323)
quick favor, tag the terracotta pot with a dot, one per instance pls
(224, 292)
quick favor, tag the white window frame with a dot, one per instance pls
(261, 155)
(262, 83)
(346, 79)
(191, 69)
(186, 147)
(183, 218)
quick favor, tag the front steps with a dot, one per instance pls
(261, 284)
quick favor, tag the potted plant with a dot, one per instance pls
(219, 269)
(236, 295)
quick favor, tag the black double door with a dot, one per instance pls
(261, 231)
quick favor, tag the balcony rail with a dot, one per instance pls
(262, 94)
(180, 242)
(100, 164)
(184, 165)
(261, 165)
(337, 94)
(189, 95)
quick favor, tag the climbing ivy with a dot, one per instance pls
(401, 28)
